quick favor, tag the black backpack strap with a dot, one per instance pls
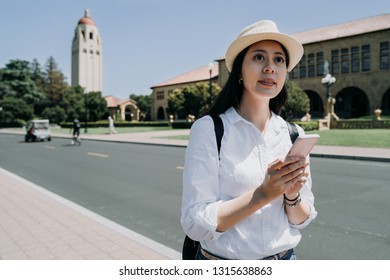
(293, 130)
(218, 128)
(190, 247)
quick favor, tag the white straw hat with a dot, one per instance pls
(264, 30)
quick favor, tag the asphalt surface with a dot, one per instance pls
(38, 224)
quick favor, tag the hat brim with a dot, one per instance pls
(292, 45)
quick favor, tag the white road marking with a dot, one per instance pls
(50, 147)
(98, 155)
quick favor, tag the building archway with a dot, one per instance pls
(160, 113)
(316, 104)
(128, 114)
(352, 102)
(385, 105)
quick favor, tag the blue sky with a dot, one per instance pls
(146, 42)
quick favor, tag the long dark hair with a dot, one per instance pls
(231, 93)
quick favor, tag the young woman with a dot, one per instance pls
(248, 202)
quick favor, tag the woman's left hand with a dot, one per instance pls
(292, 192)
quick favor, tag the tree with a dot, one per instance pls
(44, 94)
(37, 75)
(97, 106)
(144, 103)
(55, 114)
(16, 81)
(298, 103)
(15, 109)
(176, 104)
(192, 100)
(55, 83)
(73, 103)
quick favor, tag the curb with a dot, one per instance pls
(345, 157)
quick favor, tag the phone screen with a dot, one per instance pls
(303, 145)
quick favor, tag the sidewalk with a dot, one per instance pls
(37, 224)
(40, 225)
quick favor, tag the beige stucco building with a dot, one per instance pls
(122, 109)
(161, 91)
(87, 68)
(355, 53)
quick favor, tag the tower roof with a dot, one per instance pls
(87, 19)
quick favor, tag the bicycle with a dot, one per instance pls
(76, 140)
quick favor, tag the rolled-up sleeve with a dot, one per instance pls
(200, 198)
(306, 193)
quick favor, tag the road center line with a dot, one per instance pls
(50, 147)
(98, 155)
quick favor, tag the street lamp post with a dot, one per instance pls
(86, 110)
(210, 88)
(1, 114)
(328, 81)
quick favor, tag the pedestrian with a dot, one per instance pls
(248, 201)
(111, 126)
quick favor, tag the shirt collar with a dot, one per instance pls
(232, 116)
(275, 125)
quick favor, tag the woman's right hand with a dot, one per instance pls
(282, 175)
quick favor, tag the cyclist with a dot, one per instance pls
(76, 132)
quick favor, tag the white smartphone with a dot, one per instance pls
(303, 145)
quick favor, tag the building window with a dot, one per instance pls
(90, 35)
(344, 61)
(160, 95)
(311, 65)
(366, 58)
(294, 73)
(355, 62)
(335, 62)
(302, 67)
(84, 50)
(320, 64)
(384, 60)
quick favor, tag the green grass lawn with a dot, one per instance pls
(372, 138)
(103, 130)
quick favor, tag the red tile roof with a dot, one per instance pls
(113, 101)
(197, 75)
(361, 26)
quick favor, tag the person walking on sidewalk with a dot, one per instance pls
(248, 201)
(111, 126)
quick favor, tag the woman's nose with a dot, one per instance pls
(269, 69)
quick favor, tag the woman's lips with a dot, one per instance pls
(268, 82)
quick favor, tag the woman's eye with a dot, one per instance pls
(259, 57)
(279, 59)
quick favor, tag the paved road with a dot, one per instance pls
(352, 198)
(351, 195)
(137, 186)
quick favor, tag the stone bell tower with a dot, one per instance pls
(87, 55)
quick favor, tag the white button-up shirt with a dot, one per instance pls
(244, 158)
